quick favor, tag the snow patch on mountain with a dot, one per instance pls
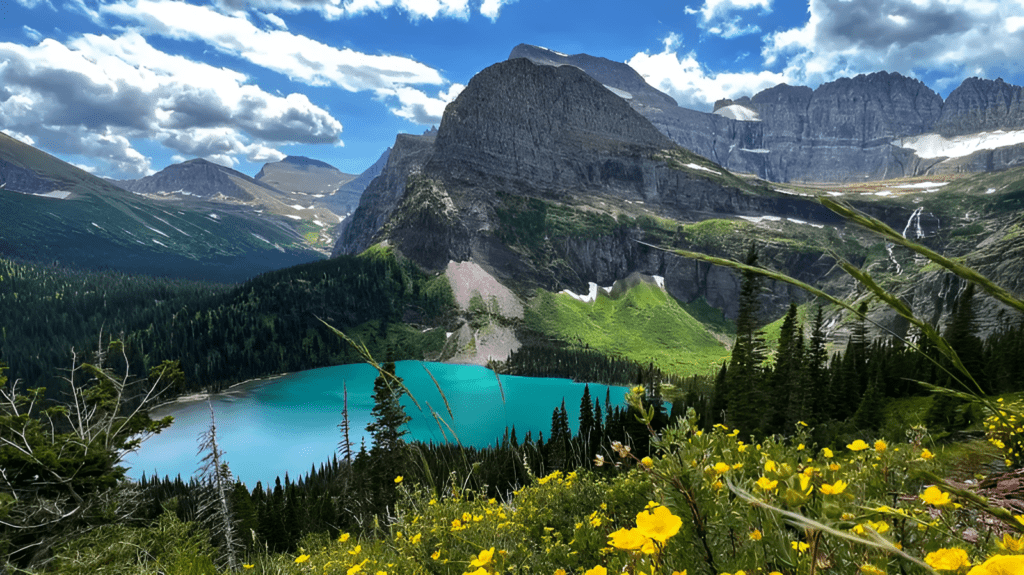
(693, 166)
(591, 296)
(937, 146)
(620, 93)
(738, 112)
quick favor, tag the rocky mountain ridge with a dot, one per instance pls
(537, 174)
(843, 131)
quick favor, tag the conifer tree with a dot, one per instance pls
(817, 372)
(781, 392)
(215, 508)
(744, 377)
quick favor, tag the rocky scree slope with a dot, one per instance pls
(843, 131)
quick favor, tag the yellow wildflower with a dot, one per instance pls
(1009, 543)
(647, 462)
(926, 454)
(1000, 565)
(415, 538)
(833, 466)
(659, 524)
(627, 539)
(935, 496)
(356, 568)
(948, 559)
(436, 555)
(869, 569)
(248, 566)
(560, 572)
(799, 546)
(343, 537)
(597, 570)
(835, 489)
(483, 558)
(355, 550)
(858, 445)
(755, 535)
(827, 453)
(766, 484)
(398, 479)
(302, 558)
(770, 466)
(722, 467)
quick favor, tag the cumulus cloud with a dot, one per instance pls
(299, 57)
(97, 94)
(718, 18)
(956, 38)
(334, 9)
(692, 86)
(491, 8)
(423, 109)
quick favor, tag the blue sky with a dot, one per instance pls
(123, 88)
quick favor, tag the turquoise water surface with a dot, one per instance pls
(289, 424)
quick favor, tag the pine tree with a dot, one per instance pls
(215, 509)
(345, 445)
(744, 397)
(781, 391)
(817, 372)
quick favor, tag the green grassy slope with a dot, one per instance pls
(645, 324)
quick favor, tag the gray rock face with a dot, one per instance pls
(383, 194)
(552, 121)
(196, 177)
(840, 132)
(18, 179)
(982, 105)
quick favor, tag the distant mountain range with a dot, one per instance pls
(55, 212)
(871, 127)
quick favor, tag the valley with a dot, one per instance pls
(534, 232)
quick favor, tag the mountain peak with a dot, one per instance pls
(303, 161)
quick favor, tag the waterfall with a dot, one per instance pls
(915, 221)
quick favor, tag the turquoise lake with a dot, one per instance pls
(290, 423)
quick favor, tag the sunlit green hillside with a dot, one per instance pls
(644, 324)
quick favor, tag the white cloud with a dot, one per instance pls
(334, 9)
(717, 16)
(98, 94)
(686, 80)
(732, 28)
(299, 57)
(422, 109)
(491, 8)
(274, 19)
(715, 9)
(32, 33)
(954, 37)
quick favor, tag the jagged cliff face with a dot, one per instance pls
(842, 131)
(981, 106)
(524, 138)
